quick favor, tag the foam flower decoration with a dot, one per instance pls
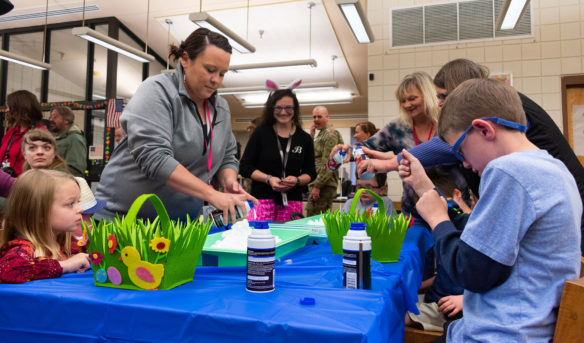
(95, 258)
(160, 244)
(111, 243)
(83, 241)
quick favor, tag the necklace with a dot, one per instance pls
(429, 135)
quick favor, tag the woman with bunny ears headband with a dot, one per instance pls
(279, 157)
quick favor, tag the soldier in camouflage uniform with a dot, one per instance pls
(324, 188)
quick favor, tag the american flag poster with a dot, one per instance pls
(114, 111)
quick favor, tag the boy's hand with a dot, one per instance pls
(412, 172)
(373, 166)
(433, 208)
(78, 263)
(450, 305)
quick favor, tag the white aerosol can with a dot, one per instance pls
(357, 258)
(261, 256)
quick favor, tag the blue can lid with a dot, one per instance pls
(358, 226)
(261, 225)
(307, 301)
(250, 203)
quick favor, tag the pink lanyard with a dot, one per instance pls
(209, 143)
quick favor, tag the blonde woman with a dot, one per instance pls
(417, 124)
(39, 149)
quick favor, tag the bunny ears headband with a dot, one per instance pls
(272, 86)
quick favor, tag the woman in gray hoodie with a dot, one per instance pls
(178, 138)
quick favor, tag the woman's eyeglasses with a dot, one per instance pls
(288, 109)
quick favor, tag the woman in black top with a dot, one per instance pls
(279, 158)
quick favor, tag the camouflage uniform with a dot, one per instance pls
(326, 180)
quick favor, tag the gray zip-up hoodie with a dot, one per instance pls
(162, 131)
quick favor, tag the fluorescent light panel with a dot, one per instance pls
(512, 11)
(324, 102)
(25, 61)
(307, 63)
(262, 89)
(355, 16)
(112, 44)
(203, 19)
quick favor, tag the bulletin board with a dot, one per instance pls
(506, 78)
(573, 112)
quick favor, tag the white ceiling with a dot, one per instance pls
(291, 31)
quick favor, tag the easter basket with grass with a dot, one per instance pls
(387, 232)
(138, 254)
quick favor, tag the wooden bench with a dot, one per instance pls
(570, 323)
(412, 335)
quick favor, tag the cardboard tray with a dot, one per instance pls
(291, 240)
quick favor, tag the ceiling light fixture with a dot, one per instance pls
(315, 103)
(113, 44)
(25, 61)
(29, 62)
(262, 89)
(169, 23)
(304, 98)
(204, 19)
(311, 63)
(355, 16)
(511, 13)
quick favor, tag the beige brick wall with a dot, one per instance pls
(536, 62)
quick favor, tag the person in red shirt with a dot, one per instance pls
(24, 113)
(42, 212)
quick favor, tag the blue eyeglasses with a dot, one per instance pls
(456, 147)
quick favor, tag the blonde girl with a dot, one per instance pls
(39, 149)
(41, 213)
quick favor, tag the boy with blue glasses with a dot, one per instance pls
(522, 240)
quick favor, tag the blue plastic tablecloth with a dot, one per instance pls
(217, 308)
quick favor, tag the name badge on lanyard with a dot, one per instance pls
(284, 158)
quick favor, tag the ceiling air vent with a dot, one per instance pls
(407, 26)
(452, 22)
(441, 23)
(476, 19)
(51, 13)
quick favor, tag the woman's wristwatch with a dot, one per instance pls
(268, 179)
(297, 181)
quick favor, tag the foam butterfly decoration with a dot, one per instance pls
(273, 86)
